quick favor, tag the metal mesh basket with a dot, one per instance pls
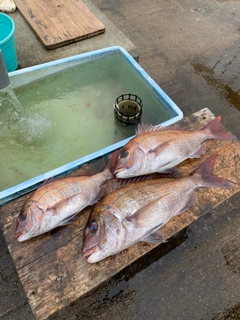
(128, 109)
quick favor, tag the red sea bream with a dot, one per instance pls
(158, 149)
(56, 203)
(135, 212)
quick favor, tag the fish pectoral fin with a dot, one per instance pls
(190, 203)
(200, 152)
(56, 232)
(141, 216)
(173, 173)
(60, 205)
(155, 237)
(69, 220)
(160, 148)
(102, 192)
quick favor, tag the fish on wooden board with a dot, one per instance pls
(159, 149)
(135, 212)
(58, 202)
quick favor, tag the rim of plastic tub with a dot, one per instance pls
(13, 27)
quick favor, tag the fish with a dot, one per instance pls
(136, 212)
(57, 203)
(159, 149)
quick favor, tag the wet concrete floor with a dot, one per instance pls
(192, 50)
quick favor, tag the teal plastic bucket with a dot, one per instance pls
(7, 42)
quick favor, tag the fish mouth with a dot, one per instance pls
(88, 252)
(19, 235)
(119, 169)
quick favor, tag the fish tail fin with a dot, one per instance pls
(208, 179)
(214, 129)
(111, 162)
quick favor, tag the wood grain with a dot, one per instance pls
(51, 268)
(59, 22)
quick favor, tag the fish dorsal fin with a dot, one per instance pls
(117, 183)
(62, 178)
(143, 128)
(59, 178)
(50, 180)
(83, 175)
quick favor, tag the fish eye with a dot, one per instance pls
(22, 216)
(93, 227)
(123, 154)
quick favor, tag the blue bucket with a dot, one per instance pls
(7, 43)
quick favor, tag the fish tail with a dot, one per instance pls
(208, 179)
(111, 162)
(214, 129)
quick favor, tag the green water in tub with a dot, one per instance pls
(69, 115)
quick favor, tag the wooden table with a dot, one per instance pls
(52, 269)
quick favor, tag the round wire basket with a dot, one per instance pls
(128, 109)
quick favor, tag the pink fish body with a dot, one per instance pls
(135, 212)
(157, 149)
(56, 203)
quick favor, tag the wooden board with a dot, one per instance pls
(51, 268)
(60, 22)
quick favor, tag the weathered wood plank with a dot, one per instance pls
(60, 22)
(51, 268)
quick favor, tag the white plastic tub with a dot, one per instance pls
(158, 108)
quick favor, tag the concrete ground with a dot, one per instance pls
(192, 50)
